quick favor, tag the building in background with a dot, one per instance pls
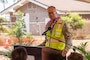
(35, 12)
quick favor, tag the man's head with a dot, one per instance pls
(75, 56)
(52, 12)
(19, 53)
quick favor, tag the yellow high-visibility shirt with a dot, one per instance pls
(56, 34)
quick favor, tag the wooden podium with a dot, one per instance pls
(41, 52)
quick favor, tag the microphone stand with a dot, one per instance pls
(44, 33)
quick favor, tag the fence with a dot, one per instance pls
(36, 28)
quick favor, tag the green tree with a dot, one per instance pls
(2, 27)
(74, 21)
(19, 28)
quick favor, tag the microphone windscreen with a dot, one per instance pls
(49, 28)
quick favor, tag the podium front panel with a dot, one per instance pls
(41, 53)
(33, 52)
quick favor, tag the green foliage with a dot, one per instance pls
(74, 21)
(19, 28)
(8, 54)
(2, 27)
(81, 49)
(29, 35)
(2, 19)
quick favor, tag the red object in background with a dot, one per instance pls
(6, 43)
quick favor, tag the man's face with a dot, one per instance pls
(52, 13)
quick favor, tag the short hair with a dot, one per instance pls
(19, 53)
(75, 56)
(51, 7)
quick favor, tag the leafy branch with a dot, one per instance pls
(19, 28)
(74, 21)
(81, 48)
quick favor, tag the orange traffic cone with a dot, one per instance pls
(6, 44)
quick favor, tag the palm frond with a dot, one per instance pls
(81, 48)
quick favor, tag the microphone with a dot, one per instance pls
(44, 33)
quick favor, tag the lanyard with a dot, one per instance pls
(53, 24)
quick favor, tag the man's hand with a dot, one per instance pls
(64, 52)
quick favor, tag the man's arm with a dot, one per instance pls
(43, 44)
(68, 36)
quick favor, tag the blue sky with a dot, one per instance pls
(10, 2)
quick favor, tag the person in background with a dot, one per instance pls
(75, 56)
(57, 35)
(19, 53)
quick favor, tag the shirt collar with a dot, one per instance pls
(56, 19)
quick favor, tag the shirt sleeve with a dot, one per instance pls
(68, 36)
